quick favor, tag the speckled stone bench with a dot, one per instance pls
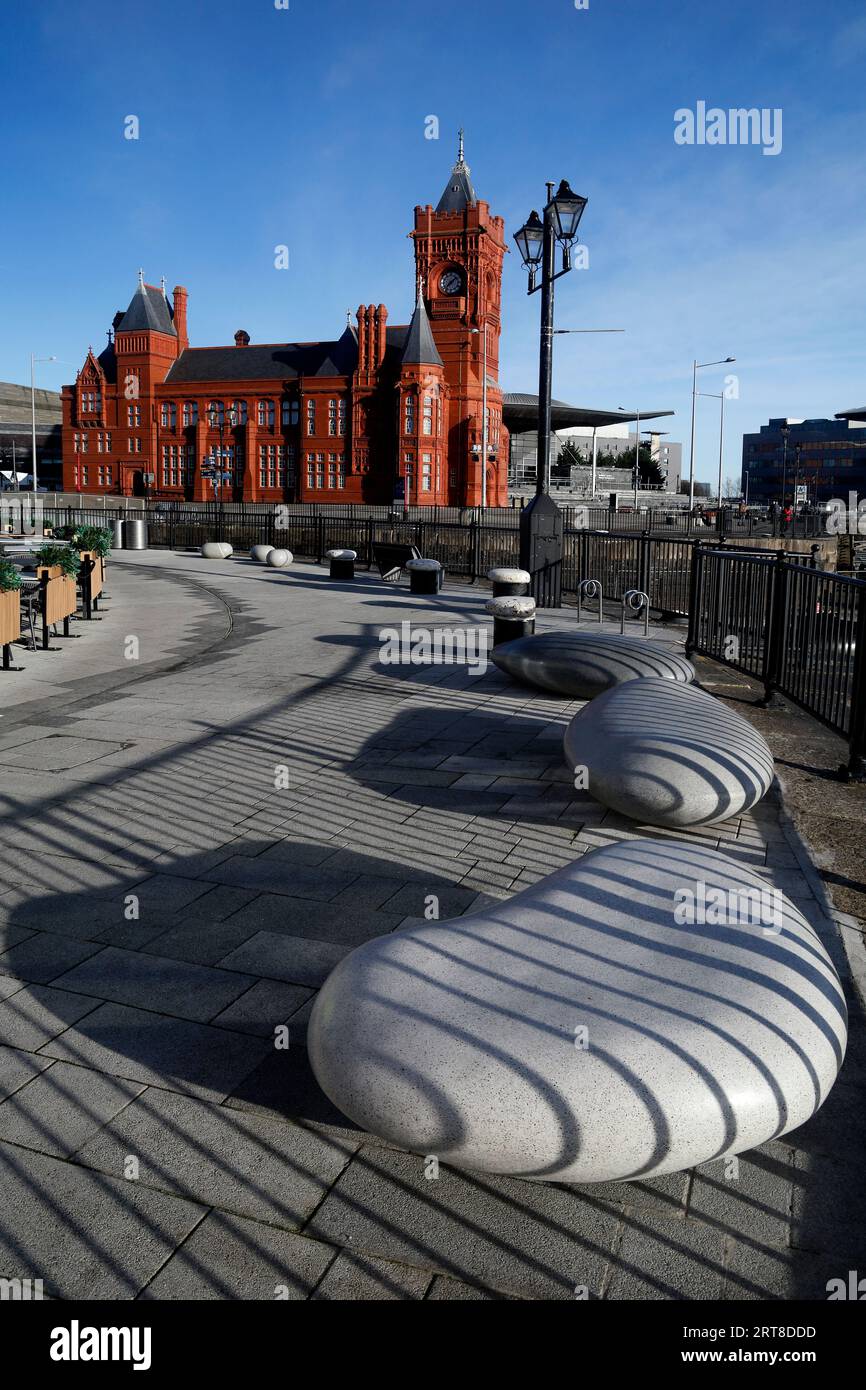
(216, 550)
(260, 553)
(279, 559)
(508, 582)
(342, 563)
(425, 576)
(583, 664)
(667, 754)
(513, 618)
(592, 1028)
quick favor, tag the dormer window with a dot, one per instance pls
(91, 403)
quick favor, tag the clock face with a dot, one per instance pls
(451, 282)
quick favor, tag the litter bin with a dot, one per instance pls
(117, 526)
(135, 533)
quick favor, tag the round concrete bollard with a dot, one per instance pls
(342, 563)
(216, 550)
(425, 576)
(279, 559)
(509, 583)
(512, 618)
(260, 553)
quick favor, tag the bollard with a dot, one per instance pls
(425, 576)
(509, 583)
(342, 564)
(512, 618)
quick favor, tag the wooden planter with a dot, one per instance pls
(59, 598)
(10, 616)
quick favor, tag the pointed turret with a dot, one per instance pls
(420, 349)
(459, 194)
(148, 311)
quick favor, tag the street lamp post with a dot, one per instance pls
(719, 396)
(217, 419)
(785, 432)
(541, 522)
(697, 367)
(33, 360)
(485, 431)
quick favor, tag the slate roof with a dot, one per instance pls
(148, 310)
(459, 193)
(281, 361)
(420, 347)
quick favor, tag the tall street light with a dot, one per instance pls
(485, 432)
(541, 523)
(33, 360)
(636, 474)
(716, 396)
(786, 430)
(697, 367)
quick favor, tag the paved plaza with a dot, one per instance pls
(194, 838)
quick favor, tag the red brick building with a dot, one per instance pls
(381, 412)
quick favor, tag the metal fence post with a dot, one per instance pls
(643, 567)
(774, 642)
(695, 587)
(856, 768)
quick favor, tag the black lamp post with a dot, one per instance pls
(217, 419)
(785, 432)
(541, 523)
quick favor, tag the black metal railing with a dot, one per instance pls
(798, 629)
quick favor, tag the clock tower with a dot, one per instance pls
(459, 250)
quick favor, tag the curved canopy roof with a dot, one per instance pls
(520, 414)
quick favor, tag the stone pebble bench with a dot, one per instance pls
(667, 754)
(589, 1029)
(582, 664)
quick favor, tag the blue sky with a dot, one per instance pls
(306, 127)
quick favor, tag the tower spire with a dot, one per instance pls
(459, 194)
(460, 159)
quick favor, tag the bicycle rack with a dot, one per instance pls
(590, 589)
(634, 600)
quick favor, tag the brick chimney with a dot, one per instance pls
(381, 334)
(180, 304)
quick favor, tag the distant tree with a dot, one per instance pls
(571, 455)
(650, 473)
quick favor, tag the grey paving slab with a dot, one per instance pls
(44, 956)
(662, 1259)
(150, 981)
(266, 1005)
(528, 1238)
(87, 1236)
(360, 1278)
(34, 1014)
(17, 1068)
(348, 923)
(229, 1257)
(749, 1197)
(192, 1058)
(828, 1208)
(244, 1163)
(198, 940)
(60, 1109)
(271, 875)
(297, 960)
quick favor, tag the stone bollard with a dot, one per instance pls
(512, 618)
(216, 550)
(342, 563)
(279, 559)
(260, 553)
(425, 576)
(509, 583)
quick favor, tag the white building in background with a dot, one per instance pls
(614, 440)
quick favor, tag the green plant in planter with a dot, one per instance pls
(66, 556)
(10, 579)
(97, 539)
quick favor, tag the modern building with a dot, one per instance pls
(379, 412)
(579, 425)
(16, 437)
(822, 458)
